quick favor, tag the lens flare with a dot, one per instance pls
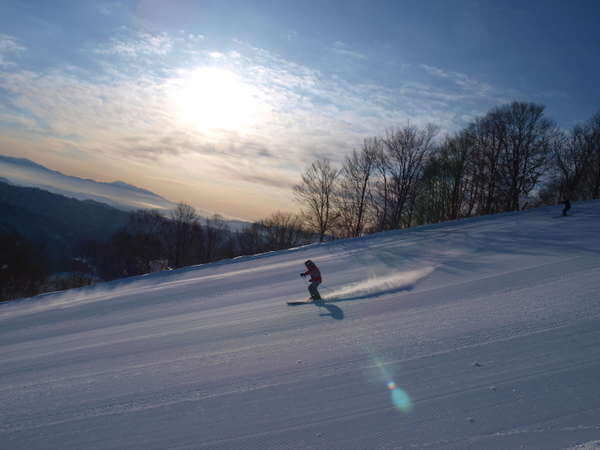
(400, 398)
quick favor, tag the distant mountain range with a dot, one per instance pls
(26, 173)
(23, 172)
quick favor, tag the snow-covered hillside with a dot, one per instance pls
(481, 333)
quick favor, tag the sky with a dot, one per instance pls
(223, 104)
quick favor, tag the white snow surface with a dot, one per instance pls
(480, 333)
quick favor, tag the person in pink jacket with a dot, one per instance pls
(315, 279)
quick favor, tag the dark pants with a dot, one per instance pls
(314, 293)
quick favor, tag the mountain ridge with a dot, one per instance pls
(119, 194)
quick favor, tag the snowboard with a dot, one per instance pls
(300, 302)
(305, 302)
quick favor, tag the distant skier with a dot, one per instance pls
(567, 207)
(315, 279)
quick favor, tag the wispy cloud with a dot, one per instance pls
(142, 44)
(294, 106)
(9, 46)
(341, 48)
(470, 86)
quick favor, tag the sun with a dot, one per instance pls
(209, 98)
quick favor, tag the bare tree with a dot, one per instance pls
(315, 192)
(146, 221)
(149, 231)
(282, 230)
(184, 218)
(405, 151)
(511, 148)
(355, 188)
(572, 155)
(251, 240)
(216, 234)
(456, 155)
(379, 197)
(484, 168)
(527, 147)
(576, 160)
(276, 232)
(444, 186)
(590, 143)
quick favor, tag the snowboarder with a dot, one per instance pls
(567, 207)
(315, 279)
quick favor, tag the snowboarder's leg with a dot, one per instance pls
(314, 293)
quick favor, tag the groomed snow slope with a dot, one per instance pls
(481, 333)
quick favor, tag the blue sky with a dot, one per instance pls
(221, 104)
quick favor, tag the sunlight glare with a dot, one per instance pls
(213, 98)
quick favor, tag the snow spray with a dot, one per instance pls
(378, 285)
